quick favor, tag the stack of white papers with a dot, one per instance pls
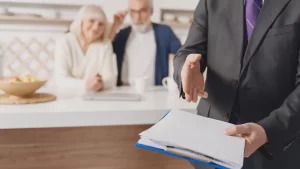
(196, 137)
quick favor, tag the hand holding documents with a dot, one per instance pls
(195, 138)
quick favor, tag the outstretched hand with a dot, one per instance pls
(192, 78)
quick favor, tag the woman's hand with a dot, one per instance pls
(95, 83)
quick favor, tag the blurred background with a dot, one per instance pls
(56, 134)
(29, 28)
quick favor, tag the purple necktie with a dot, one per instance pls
(253, 8)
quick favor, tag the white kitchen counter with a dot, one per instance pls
(70, 110)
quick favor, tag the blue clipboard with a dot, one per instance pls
(213, 165)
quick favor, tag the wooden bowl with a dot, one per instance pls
(21, 89)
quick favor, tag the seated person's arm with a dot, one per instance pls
(62, 65)
(109, 71)
(117, 24)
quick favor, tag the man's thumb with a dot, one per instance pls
(238, 129)
(193, 58)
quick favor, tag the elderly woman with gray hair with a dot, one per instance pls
(84, 58)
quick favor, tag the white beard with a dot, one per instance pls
(142, 28)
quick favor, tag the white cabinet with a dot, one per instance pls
(74, 2)
(23, 1)
(110, 7)
(176, 4)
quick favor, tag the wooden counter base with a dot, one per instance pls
(111, 147)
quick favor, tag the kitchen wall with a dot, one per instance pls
(112, 6)
(29, 47)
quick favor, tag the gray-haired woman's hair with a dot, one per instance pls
(89, 12)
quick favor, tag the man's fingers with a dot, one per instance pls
(187, 84)
(188, 90)
(238, 129)
(116, 15)
(124, 13)
(188, 97)
(120, 17)
(203, 94)
(195, 95)
(247, 151)
(193, 58)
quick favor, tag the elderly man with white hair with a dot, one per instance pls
(84, 58)
(143, 48)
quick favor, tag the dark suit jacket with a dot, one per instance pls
(166, 43)
(265, 77)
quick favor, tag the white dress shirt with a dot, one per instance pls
(263, 1)
(139, 58)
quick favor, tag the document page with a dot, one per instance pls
(199, 134)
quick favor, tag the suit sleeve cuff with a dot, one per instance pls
(180, 88)
(182, 94)
(273, 129)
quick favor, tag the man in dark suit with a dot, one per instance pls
(250, 50)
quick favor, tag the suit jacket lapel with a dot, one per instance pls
(236, 19)
(267, 16)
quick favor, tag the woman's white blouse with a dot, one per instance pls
(73, 67)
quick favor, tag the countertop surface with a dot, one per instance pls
(71, 110)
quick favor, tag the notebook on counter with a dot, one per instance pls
(196, 139)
